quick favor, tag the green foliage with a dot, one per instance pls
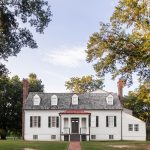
(13, 34)
(35, 84)
(11, 90)
(122, 47)
(148, 133)
(139, 102)
(10, 100)
(84, 84)
(3, 70)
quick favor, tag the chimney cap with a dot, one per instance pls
(121, 81)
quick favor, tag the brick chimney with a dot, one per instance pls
(25, 95)
(25, 89)
(121, 83)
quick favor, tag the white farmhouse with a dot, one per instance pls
(98, 115)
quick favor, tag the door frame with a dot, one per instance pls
(77, 120)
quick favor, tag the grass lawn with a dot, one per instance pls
(115, 145)
(20, 145)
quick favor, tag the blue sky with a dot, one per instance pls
(60, 54)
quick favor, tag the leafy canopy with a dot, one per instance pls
(84, 84)
(11, 90)
(122, 47)
(16, 20)
(139, 102)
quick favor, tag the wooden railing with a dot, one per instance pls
(66, 130)
(83, 130)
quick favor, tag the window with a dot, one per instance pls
(93, 137)
(54, 100)
(136, 127)
(111, 137)
(130, 127)
(66, 123)
(53, 121)
(53, 137)
(35, 137)
(35, 121)
(109, 99)
(36, 100)
(83, 122)
(93, 121)
(97, 121)
(111, 121)
(75, 99)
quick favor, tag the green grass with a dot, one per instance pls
(97, 145)
(20, 145)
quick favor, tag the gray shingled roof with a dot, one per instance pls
(86, 101)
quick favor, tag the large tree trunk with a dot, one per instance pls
(3, 134)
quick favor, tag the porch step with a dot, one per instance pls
(75, 137)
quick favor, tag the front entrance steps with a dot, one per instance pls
(75, 137)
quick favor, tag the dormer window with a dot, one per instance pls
(75, 99)
(54, 100)
(109, 99)
(36, 100)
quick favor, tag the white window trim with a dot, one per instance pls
(111, 121)
(136, 127)
(75, 99)
(130, 127)
(36, 100)
(110, 99)
(54, 100)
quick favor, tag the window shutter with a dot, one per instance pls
(115, 121)
(31, 121)
(49, 121)
(97, 121)
(57, 122)
(106, 121)
(39, 121)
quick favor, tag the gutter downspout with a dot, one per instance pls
(89, 125)
(60, 127)
(121, 125)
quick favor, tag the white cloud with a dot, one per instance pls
(67, 57)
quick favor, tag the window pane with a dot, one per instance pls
(35, 121)
(53, 137)
(83, 122)
(110, 121)
(93, 137)
(53, 121)
(130, 127)
(136, 127)
(111, 137)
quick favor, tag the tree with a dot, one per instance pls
(84, 84)
(139, 102)
(3, 70)
(122, 47)
(13, 34)
(35, 84)
(11, 102)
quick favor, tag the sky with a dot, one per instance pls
(61, 49)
